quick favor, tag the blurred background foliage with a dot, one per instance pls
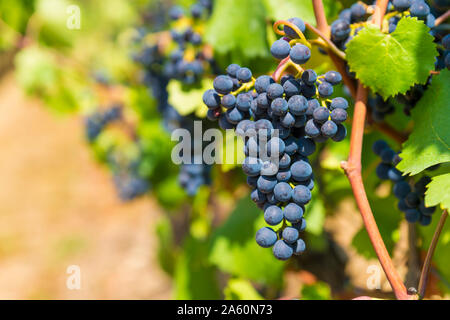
(206, 242)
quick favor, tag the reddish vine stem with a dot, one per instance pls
(352, 167)
(442, 18)
(321, 19)
(427, 263)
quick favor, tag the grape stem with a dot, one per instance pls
(442, 18)
(352, 167)
(427, 263)
(331, 46)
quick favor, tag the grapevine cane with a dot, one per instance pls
(352, 167)
(427, 264)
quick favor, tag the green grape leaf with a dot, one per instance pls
(188, 101)
(165, 251)
(238, 27)
(429, 143)
(391, 63)
(195, 278)
(438, 192)
(234, 249)
(241, 289)
(286, 9)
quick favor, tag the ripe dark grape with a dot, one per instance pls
(290, 32)
(300, 54)
(280, 49)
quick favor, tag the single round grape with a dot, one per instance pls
(224, 124)
(339, 115)
(382, 171)
(300, 225)
(196, 10)
(301, 195)
(274, 91)
(290, 235)
(282, 251)
(285, 161)
(379, 146)
(401, 189)
(425, 220)
(308, 183)
(251, 166)
(288, 120)
(176, 12)
(357, 12)
(234, 116)
(291, 32)
(213, 114)
(258, 197)
(243, 101)
(293, 213)
(325, 89)
(300, 121)
(279, 106)
(283, 192)
(232, 70)
(269, 168)
(223, 84)
(313, 104)
(262, 101)
(419, 9)
(329, 129)
(340, 30)
(401, 5)
(346, 15)
(412, 199)
(309, 77)
(283, 175)
(306, 146)
(412, 215)
(394, 174)
(266, 237)
(291, 88)
(228, 101)
(297, 105)
(271, 199)
(266, 184)
(340, 134)
(300, 54)
(333, 77)
(291, 145)
(338, 103)
(446, 42)
(273, 215)
(300, 247)
(244, 75)
(321, 114)
(280, 49)
(308, 91)
(251, 181)
(428, 211)
(312, 129)
(263, 82)
(211, 99)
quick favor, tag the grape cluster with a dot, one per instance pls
(411, 197)
(184, 60)
(379, 108)
(97, 122)
(281, 122)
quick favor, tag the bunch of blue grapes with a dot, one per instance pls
(281, 122)
(192, 176)
(411, 197)
(99, 120)
(129, 182)
(379, 108)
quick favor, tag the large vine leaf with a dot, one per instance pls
(234, 249)
(429, 143)
(391, 63)
(238, 27)
(439, 192)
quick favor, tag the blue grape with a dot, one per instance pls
(419, 9)
(280, 49)
(306, 146)
(273, 215)
(321, 114)
(329, 129)
(340, 134)
(333, 77)
(300, 247)
(223, 84)
(382, 171)
(279, 106)
(269, 168)
(284, 175)
(340, 30)
(339, 115)
(301, 195)
(309, 77)
(357, 12)
(291, 88)
(232, 70)
(297, 105)
(446, 42)
(290, 235)
(325, 89)
(251, 166)
(211, 99)
(258, 197)
(290, 32)
(262, 101)
(401, 5)
(293, 212)
(338, 103)
(412, 215)
(300, 54)
(379, 146)
(228, 101)
(234, 116)
(266, 184)
(282, 192)
(282, 251)
(244, 75)
(262, 83)
(275, 90)
(401, 189)
(266, 237)
(243, 101)
(312, 129)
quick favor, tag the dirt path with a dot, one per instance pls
(58, 208)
